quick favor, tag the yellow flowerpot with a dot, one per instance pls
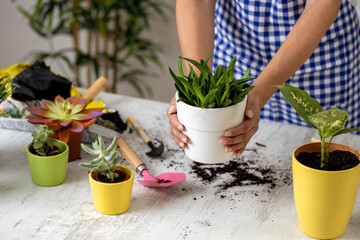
(112, 198)
(324, 200)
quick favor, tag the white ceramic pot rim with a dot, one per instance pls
(211, 120)
(207, 109)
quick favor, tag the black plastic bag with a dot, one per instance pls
(38, 82)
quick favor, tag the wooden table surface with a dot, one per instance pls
(250, 197)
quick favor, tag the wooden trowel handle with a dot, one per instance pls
(94, 89)
(129, 155)
(139, 129)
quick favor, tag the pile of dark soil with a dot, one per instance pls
(338, 160)
(242, 174)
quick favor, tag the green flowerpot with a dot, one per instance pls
(49, 170)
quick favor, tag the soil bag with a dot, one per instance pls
(38, 82)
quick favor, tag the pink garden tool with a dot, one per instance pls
(163, 180)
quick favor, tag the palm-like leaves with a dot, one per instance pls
(122, 22)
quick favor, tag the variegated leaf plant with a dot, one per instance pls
(330, 123)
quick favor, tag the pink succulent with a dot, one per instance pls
(64, 116)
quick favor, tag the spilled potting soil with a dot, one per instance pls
(242, 174)
(239, 173)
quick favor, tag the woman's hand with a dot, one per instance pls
(236, 139)
(176, 128)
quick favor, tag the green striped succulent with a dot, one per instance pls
(210, 90)
(106, 160)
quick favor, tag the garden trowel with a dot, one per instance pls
(162, 180)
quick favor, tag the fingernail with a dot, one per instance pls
(181, 128)
(184, 140)
(181, 145)
(222, 141)
(249, 113)
(227, 134)
(171, 109)
(228, 149)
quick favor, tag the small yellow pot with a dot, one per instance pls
(324, 200)
(112, 198)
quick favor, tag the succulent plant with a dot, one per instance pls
(106, 158)
(210, 90)
(42, 143)
(64, 116)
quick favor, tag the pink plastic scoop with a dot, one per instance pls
(162, 180)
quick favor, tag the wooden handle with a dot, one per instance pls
(139, 130)
(129, 155)
(94, 89)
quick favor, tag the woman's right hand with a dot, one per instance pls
(176, 128)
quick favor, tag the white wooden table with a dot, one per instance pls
(194, 209)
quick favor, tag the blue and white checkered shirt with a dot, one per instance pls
(253, 31)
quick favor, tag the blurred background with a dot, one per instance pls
(131, 42)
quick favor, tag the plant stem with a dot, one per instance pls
(106, 49)
(89, 40)
(116, 49)
(75, 30)
(324, 162)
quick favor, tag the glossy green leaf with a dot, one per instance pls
(329, 122)
(347, 130)
(207, 97)
(300, 101)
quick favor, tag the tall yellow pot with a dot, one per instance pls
(324, 200)
(112, 198)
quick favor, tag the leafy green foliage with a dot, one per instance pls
(121, 23)
(106, 158)
(5, 88)
(329, 123)
(42, 143)
(210, 90)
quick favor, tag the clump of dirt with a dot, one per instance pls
(242, 174)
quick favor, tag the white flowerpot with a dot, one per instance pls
(205, 127)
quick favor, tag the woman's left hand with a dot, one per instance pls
(236, 139)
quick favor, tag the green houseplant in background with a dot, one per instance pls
(208, 104)
(324, 192)
(111, 184)
(114, 33)
(47, 158)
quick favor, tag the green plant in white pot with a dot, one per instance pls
(207, 105)
(47, 158)
(325, 185)
(111, 184)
